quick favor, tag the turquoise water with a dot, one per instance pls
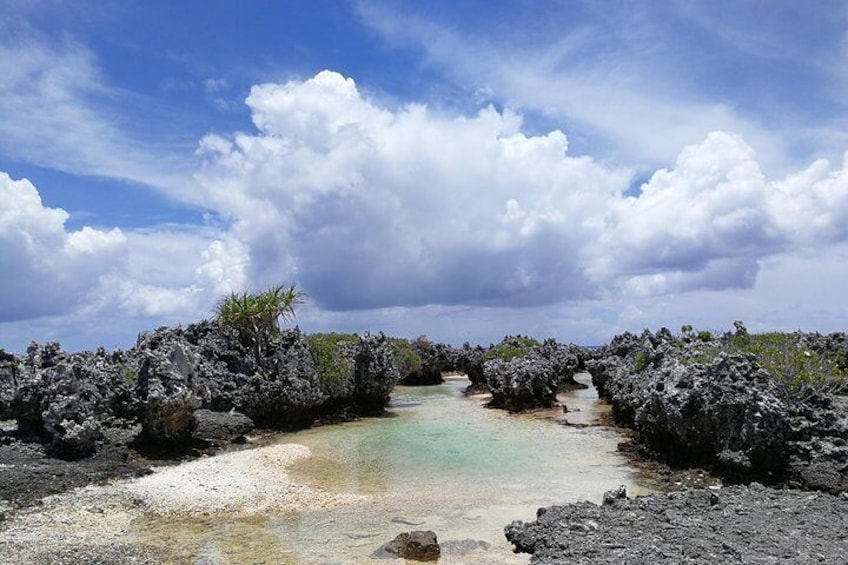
(441, 461)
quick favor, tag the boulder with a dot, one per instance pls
(221, 426)
(416, 546)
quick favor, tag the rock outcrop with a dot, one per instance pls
(522, 375)
(78, 403)
(699, 402)
(736, 524)
(375, 375)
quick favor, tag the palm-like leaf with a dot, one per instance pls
(256, 316)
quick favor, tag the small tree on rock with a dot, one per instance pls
(256, 316)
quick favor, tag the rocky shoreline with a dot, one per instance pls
(69, 420)
(735, 524)
(708, 401)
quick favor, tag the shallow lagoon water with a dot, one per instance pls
(439, 461)
(443, 462)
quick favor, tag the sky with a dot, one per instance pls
(461, 170)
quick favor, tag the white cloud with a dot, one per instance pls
(48, 270)
(58, 111)
(369, 207)
(812, 206)
(165, 273)
(409, 220)
(709, 221)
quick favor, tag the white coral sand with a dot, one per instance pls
(245, 482)
(95, 523)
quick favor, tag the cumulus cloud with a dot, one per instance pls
(707, 223)
(409, 212)
(371, 207)
(47, 270)
(50, 271)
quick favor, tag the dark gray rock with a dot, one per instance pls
(613, 496)
(435, 359)
(523, 374)
(30, 471)
(221, 426)
(521, 383)
(9, 378)
(732, 525)
(416, 546)
(470, 360)
(375, 374)
(75, 401)
(694, 406)
(165, 388)
(205, 365)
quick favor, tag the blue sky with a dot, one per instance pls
(462, 170)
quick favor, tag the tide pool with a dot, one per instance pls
(437, 461)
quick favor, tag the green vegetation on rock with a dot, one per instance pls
(788, 359)
(333, 363)
(406, 356)
(786, 356)
(512, 347)
(256, 316)
(640, 362)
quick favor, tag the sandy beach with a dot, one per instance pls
(95, 524)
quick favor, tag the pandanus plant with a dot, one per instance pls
(256, 316)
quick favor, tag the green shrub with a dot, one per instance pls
(786, 358)
(640, 362)
(512, 347)
(332, 365)
(130, 373)
(405, 354)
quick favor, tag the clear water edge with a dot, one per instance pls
(439, 461)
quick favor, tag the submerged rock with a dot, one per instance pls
(417, 546)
